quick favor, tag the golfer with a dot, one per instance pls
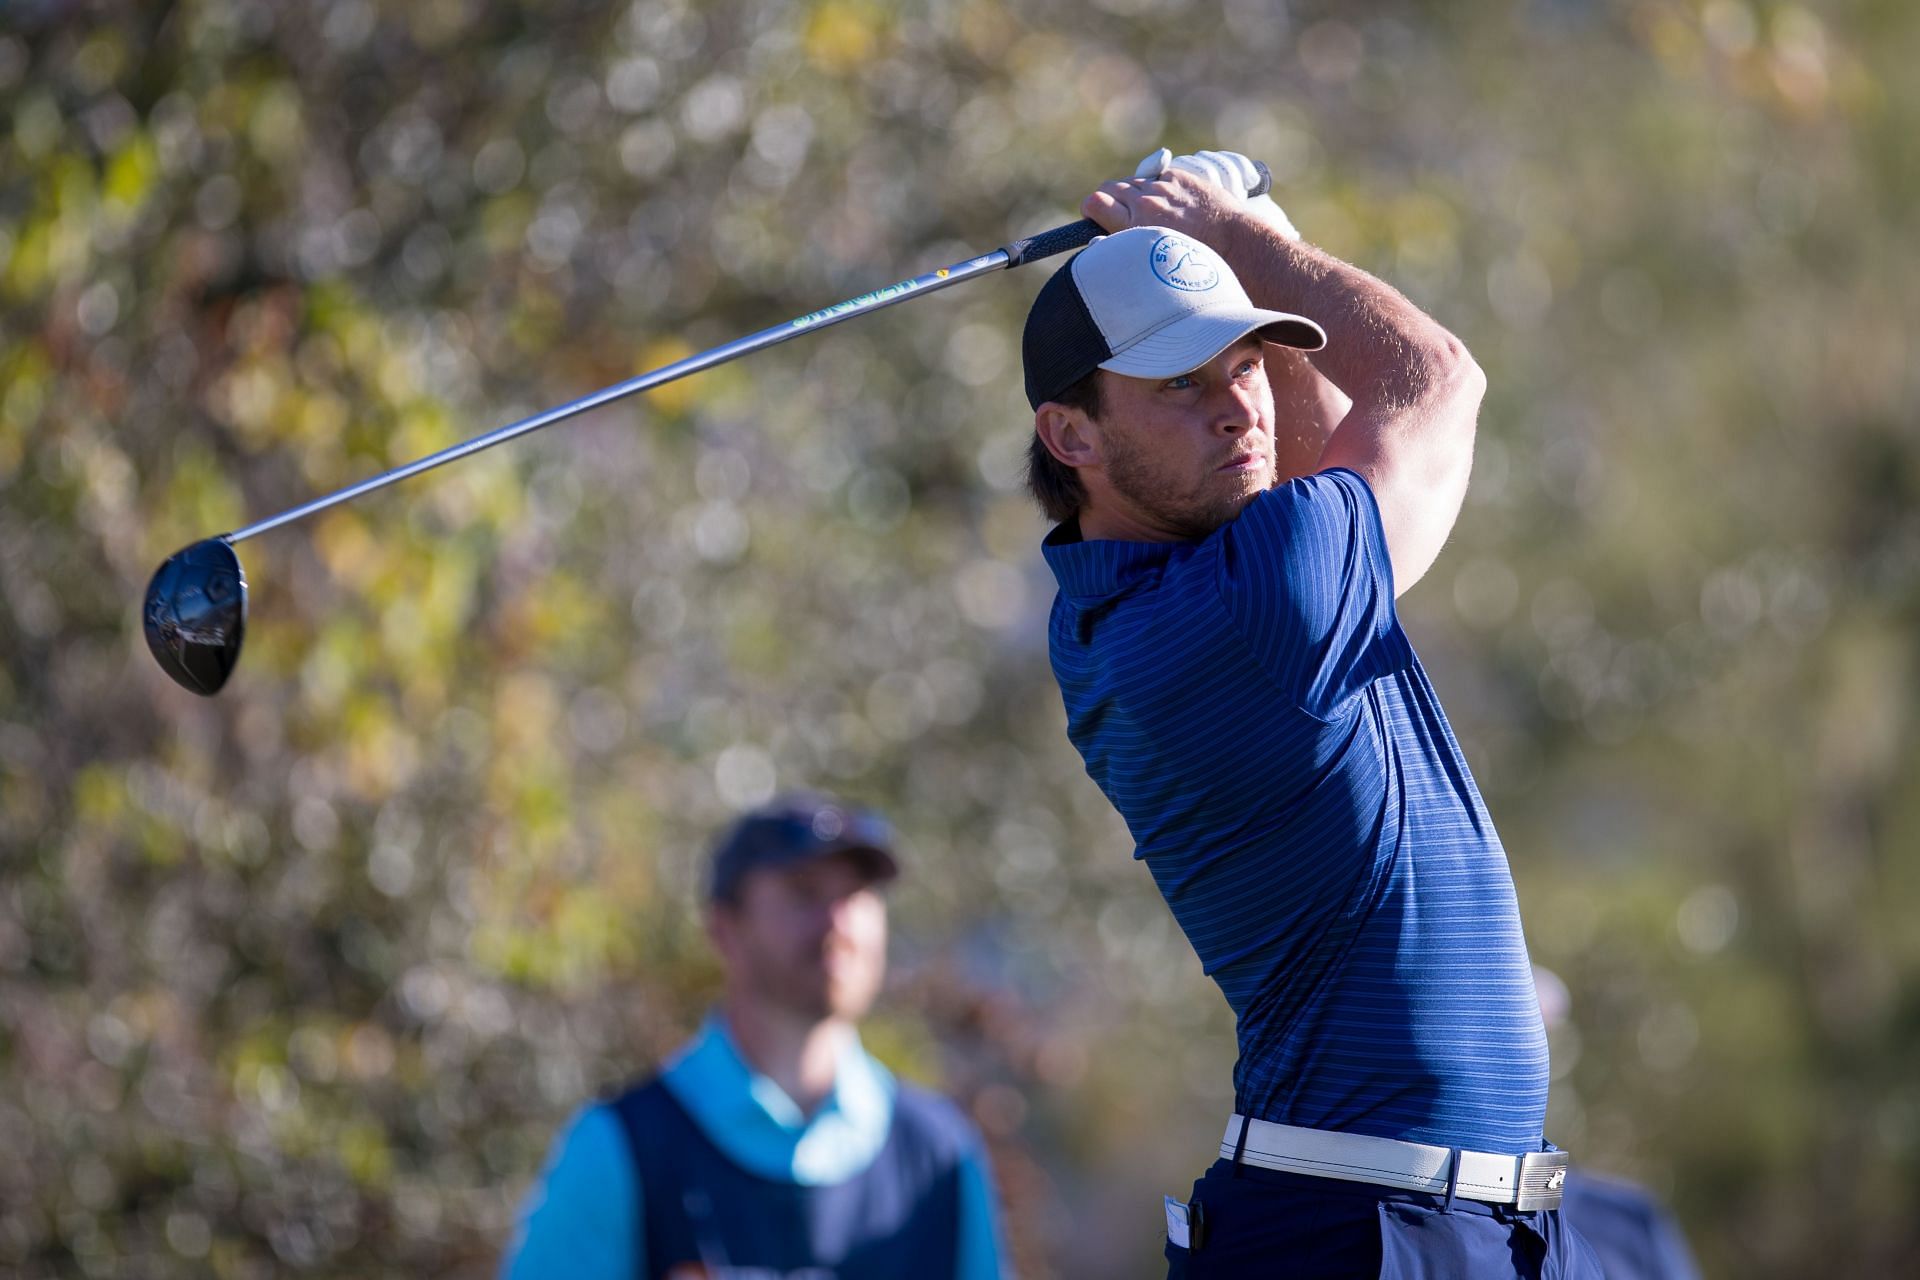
(772, 1147)
(1238, 683)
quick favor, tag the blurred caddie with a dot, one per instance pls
(771, 1146)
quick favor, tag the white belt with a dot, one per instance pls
(1527, 1182)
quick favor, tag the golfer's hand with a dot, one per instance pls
(1229, 171)
(1177, 200)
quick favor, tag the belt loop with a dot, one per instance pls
(1453, 1179)
(1240, 1147)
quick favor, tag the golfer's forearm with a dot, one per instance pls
(1415, 389)
(1307, 409)
(1382, 351)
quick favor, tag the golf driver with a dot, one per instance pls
(195, 612)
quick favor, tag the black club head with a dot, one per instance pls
(195, 615)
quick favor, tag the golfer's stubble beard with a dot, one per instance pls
(1190, 514)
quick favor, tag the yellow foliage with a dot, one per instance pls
(76, 195)
(1672, 38)
(439, 24)
(198, 496)
(1337, 215)
(539, 804)
(676, 397)
(555, 615)
(381, 754)
(332, 663)
(130, 174)
(31, 261)
(109, 477)
(1559, 252)
(842, 35)
(250, 395)
(100, 794)
(364, 1153)
(756, 640)
(350, 553)
(987, 28)
(629, 833)
(37, 125)
(533, 957)
(537, 322)
(1425, 229)
(397, 375)
(100, 60)
(448, 594)
(504, 220)
(590, 929)
(160, 843)
(524, 712)
(261, 1045)
(25, 378)
(332, 309)
(425, 427)
(321, 416)
(276, 125)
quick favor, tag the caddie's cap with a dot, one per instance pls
(1148, 302)
(795, 828)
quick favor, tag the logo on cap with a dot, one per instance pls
(1183, 264)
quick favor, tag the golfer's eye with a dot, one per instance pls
(1180, 383)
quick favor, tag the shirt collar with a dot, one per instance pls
(1093, 571)
(753, 1120)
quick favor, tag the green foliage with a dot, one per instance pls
(304, 977)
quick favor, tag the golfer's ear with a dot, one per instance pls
(1069, 434)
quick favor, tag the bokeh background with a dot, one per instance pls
(301, 979)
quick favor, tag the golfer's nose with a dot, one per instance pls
(1238, 410)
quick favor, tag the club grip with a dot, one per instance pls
(1048, 243)
(1075, 234)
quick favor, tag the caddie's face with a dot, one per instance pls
(1187, 453)
(810, 939)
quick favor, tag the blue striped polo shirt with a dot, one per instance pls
(1250, 705)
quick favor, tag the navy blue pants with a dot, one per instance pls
(1264, 1223)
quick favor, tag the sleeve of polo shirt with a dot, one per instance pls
(1305, 573)
(581, 1219)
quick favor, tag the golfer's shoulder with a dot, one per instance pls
(1309, 521)
(1336, 498)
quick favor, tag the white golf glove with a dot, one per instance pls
(1225, 169)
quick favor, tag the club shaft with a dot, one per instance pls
(893, 294)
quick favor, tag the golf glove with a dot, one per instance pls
(1228, 170)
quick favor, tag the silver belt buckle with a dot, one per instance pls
(1543, 1175)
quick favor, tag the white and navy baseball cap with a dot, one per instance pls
(1147, 302)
